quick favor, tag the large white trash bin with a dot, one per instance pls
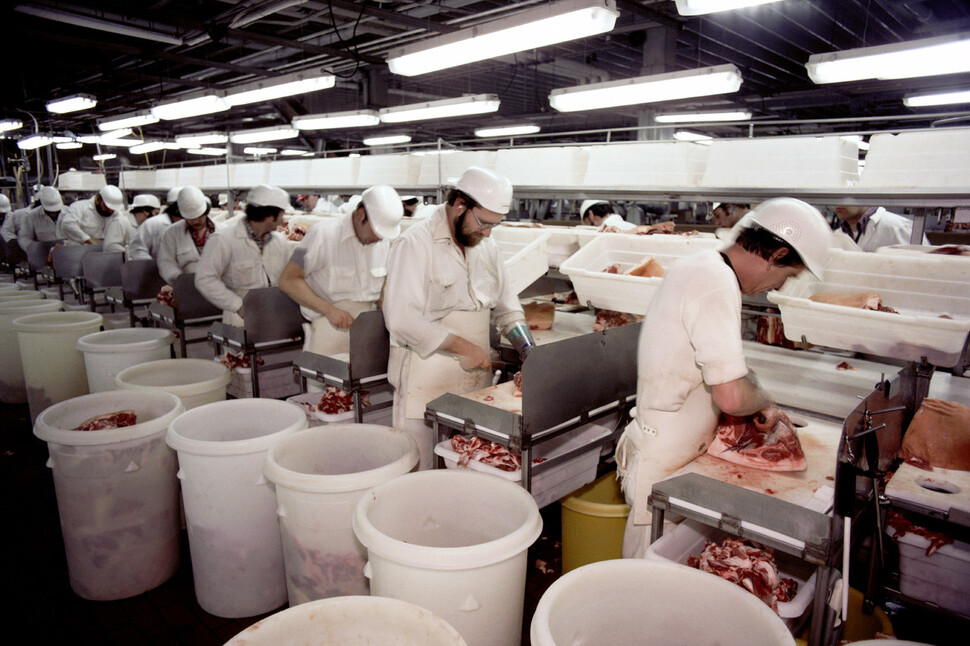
(108, 353)
(454, 542)
(320, 474)
(117, 494)
(21, 295)
(230, 507)
(351, 621)
(12, 387)
(53, 366)
(632, 601)
(194, 381)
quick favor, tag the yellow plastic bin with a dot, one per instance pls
(593, 521)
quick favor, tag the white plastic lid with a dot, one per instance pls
(235, 427)
(181, 377)
(57, 321)
(155, 410)
(125, 340)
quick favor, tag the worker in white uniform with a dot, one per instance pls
(415, 208)
(445, 281)
(338, 269)
(690, 364)
(144, 246)
(182, 243)
(122, 226)
(246, 254)
(10, 230)
(39, 224)
(599, 213)
(84, 221)
(4, 208)
(871, 227)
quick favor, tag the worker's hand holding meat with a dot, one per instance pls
(757, 444)
(768, 418)
(339, 318)
(470, 356)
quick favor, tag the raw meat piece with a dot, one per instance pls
(739, 441)
(748, 565)
(117, 419)
(845, 365)
(938, 436)
(335, 401)
(614, 269)
(238, 360)
(902, 526)
(862, 300)
(567, 299)
(651, 229)
(486, 452)
(517, 384)
(539, 316)
(166, 296)
(606, 319)
(953, 250)
(297, 231)
(648, 268)
(771, 331)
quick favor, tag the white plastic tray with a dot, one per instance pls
(524, 252)
(347, 416)
(690, 536)
(920, 287)
(631, 294)
(556, 482)
(942, 578)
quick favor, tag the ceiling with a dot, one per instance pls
(227, 43)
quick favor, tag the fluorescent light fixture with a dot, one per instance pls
(915, 58)
(556, 22)
(147, 147)
(78, 20)
(701, 7)
(126, 143)
(259, 135)
(61, 139)
(202, 139)
(194, 107)
(293, 152)
(388, 140)
(112, 136)
(256, 150)
(351, 119)
(700, 117)
(462, 106)
(687, 135)
(68, 145)
(11, 124)
(270, 89)
(104, 157)
(34, 141)
(73, 103)
(207, 151)
(507, 131)
(435, 151)
(719, 79)
(939, 98)
(132, 120)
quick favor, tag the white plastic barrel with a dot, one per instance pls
(117, 494)
(12, 388)
(454, 542)
(628, 601)
(320, 474)
(351, 621)
(195, 381)
(8, 286)
(21, 295)
(108, 353)
(53, 366)
(230, 508)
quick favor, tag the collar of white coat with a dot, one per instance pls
(346, 224)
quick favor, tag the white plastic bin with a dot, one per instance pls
(351, 621)
(630, 601)
(942, 578)
(21, 295)
(320, 474)
(108, 353)
(524, 254)
(117, 494)
(53, 366)
(12, 388)
(454, 542)
(195, 381)
(230, 508)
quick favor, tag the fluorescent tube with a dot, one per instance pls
(940, 98)
(274, 89)
(11, 124)
(462, 106)
(183, 109)
(133, 120)
(687, 135)
(701, 7)
(351, 119)
(147, 147)
(73, 103)
(202, 139)
(104, 157)
(206, 151)
(507, 131)
(34, 141)
(387, 140)
(698, 117)
(256, 150)
(293, 152)
(258, 135)
(915, 58)
(68, 145)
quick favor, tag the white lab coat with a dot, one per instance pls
(36, 225)
(616, 220)
(231, 265)
(11, 224)
(144, 246)
(81, 222)
(886, 228)
(177, 253)
(120, 231)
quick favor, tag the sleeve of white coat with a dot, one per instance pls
(713, 323)
(114, 236)
(138, 249)
(26, 234)
(213, 263)
(70, 225)
(7, 231)
(406, 298)
(168, 267)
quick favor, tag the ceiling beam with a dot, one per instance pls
(395, 17)
(238, 35)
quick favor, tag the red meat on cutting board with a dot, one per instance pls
(740, 441)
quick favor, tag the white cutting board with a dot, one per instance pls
(907, 485)
(499, 396)
(812, 488)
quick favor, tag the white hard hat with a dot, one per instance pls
(384, 210)
(588, 203)
(264, 195)
(350, 205)
(4, 204)
(488, 188)
(145, 199)
(50, 198)
(173, 194)
(192, 203)
(799, 224)
(112, 197)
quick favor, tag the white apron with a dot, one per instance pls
(320, 337)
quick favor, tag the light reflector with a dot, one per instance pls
(258, 135)
(277, 88)
(183, 109)
(201, 139)
(132, 120)
(462, 106)
(34, 141)
(147, 147)
(327, 121)
(11, 124)
(915, 58)
(206, 151)
(72, 103)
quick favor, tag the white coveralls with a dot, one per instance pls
(81, 222)
(37, 226)
(340, 269)
(144, 246)
(433, 290)
(177, 253)
(689, 341)
(231, 265)
(119, 232)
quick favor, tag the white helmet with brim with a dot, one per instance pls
(800, 225)
(491, 190)
(384, 210)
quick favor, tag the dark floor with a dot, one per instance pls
(44, 606)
